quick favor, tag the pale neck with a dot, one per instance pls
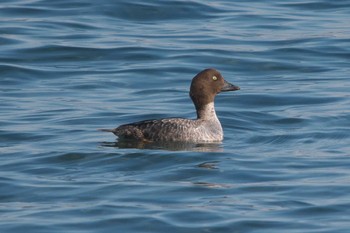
(207, 112)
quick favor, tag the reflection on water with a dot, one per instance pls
(171, 146)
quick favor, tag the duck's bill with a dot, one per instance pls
(229, 87)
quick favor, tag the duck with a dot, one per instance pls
(205, 128)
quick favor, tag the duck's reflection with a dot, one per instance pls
(171, 146)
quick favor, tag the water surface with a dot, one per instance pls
(68, 68)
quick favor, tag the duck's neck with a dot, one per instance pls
(207, 112)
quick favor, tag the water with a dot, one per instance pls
(68, 68)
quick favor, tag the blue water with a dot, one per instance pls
(69, 67)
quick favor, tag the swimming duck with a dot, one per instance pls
(206, 128)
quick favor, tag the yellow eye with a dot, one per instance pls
(215, 78)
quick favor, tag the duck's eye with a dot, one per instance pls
(215, 78)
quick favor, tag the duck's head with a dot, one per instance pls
(206, 85)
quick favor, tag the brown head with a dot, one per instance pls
(206, 85)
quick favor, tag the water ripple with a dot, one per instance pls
(70, 67)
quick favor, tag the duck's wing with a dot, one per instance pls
(169, 129)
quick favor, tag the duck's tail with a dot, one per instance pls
(107, 130)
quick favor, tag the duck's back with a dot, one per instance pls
(170, 129)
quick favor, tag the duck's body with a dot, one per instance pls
(206, 128)
(172, 129)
